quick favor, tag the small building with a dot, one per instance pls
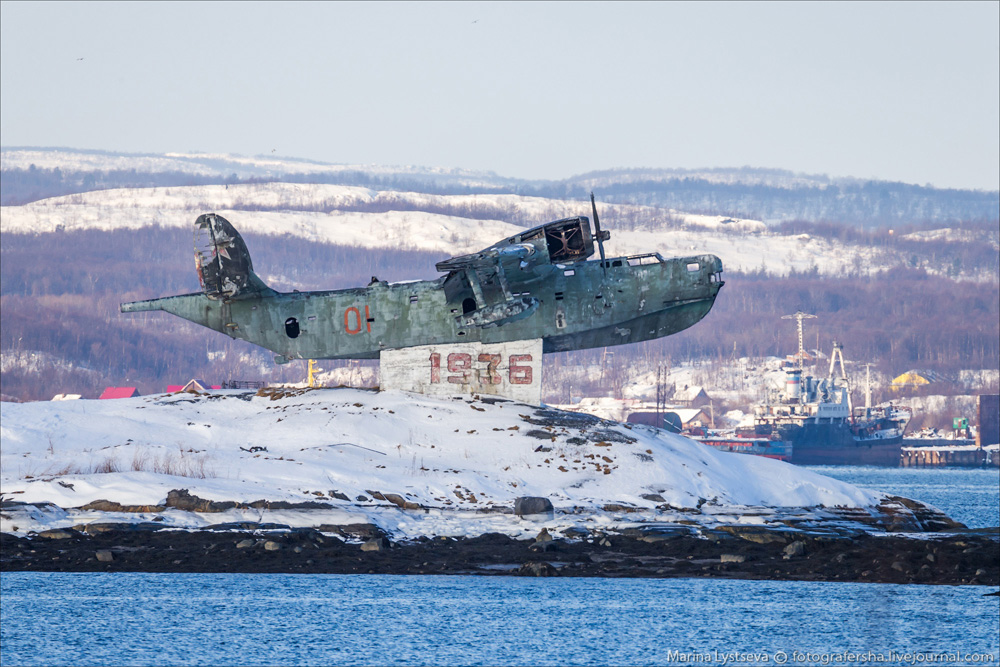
(672, 419)
(694, 417)
(120, 392)
(691, 396)
(989, 420)
(67, 397)
(915, 379)
(193, 385)
(802, 359)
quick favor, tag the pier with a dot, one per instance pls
(951, 453)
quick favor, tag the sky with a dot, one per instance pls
(897, 91)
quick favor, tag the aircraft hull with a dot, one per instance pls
(580, 305)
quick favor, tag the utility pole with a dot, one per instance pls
(661, 393)
(799, 316)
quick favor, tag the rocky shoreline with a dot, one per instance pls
(739, 552)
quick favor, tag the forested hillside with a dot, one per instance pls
(61, 291)
(904, 276)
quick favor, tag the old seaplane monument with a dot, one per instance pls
(480, 328)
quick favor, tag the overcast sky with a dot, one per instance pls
(896, 91)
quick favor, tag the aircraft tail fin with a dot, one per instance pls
(223, 261)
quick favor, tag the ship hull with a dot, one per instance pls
(836, 443)
(769, 449)
(885, 453)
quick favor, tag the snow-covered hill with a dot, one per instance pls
(273, 166)
(457, 465)
(772, 195)
(330, 214)
(210, 164)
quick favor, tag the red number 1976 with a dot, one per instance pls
(459, 364)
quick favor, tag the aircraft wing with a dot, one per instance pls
(488, 259)
(486, 276)
(488, 273)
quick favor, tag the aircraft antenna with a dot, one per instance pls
(597, 230)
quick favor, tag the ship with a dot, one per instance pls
(813, 422)
(743, 442)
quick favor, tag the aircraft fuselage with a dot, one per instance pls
(580, 305)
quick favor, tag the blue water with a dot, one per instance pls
(260, 619)
(257, 619)
(968, 495)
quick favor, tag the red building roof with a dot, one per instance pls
(120, 392)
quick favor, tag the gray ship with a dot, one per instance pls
(816, 424)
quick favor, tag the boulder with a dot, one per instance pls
(105, 556)
(183, 500)
(376, 544)
(245, 544)
(400, 502)
(57, 534)
(755, 534)
(575, 532)
(537, 570)
(271, 546)
(796, 548)
(656, 533)
(284, 505)
(111, 506)
(532, 506)
(620, 507)
(234, 525)
(96, 527)
(361, 531)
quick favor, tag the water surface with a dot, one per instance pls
(264, 619)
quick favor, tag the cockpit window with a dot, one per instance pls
(566, 241)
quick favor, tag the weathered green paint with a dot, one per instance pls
(580, 304)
